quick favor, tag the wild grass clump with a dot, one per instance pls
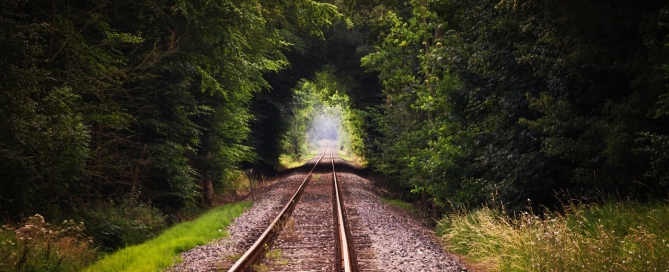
(39, 246)
(163, 251)
(400, 204)
(623, 236)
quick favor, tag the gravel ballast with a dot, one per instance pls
(397, 242)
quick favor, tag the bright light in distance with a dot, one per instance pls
(325, 126)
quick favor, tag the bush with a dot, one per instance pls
(40, 246)
(115, 226)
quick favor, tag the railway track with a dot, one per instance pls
(310, 233)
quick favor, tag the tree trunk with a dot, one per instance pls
(207, 188)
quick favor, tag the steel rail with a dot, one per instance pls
(255, 251)
(347, 264)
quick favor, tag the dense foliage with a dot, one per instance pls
(321, 110)
(499, 102)
(110, 102)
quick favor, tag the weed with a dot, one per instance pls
(273, 254)
(289, 231)
(260, 267)
(234, 257)
(40, 246)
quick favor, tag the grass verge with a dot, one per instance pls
(349, 156)
(400, 204)
(344, 155)
(287, 162)
(163, 251)
(623, 236)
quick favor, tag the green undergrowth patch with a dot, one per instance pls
(400, 204)
(163, 251)
(287, 162)
(290, 161)
(350, 157)
(344, 155)
(615, 236)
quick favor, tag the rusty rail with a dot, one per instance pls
(346, 256)
(260, 246)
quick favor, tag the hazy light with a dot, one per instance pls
(325, 126)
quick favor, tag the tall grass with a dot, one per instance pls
(163, 251)
(610, 237)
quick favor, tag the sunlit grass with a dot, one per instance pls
(342, 154)
(400, 204)
(611, 237)
(163, 251)
(349, 156)
(287, 162)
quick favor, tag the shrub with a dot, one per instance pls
(39, 246)
(130, 222)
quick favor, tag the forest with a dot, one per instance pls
(130, 115)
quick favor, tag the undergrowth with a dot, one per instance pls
(39, 246)
(128, 222)
(288, 162)
(163, 251)
(615, 236)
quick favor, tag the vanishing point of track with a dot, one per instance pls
(313, 222)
